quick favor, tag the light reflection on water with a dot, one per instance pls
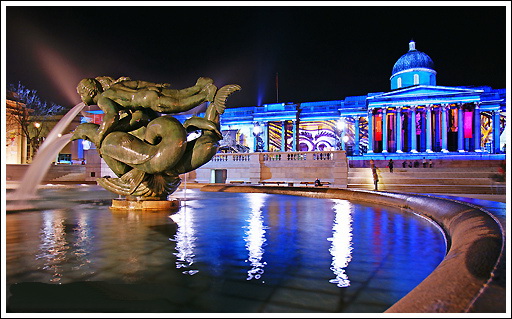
(255, 236)
(185, 238)
(341, 247)
(53, 245)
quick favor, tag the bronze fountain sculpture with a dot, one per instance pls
(141, 142)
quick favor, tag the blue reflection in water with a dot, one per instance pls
(255, 236)
(341, 248)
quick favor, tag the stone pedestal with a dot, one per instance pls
(126, 204)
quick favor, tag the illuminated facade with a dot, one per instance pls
(415, 116)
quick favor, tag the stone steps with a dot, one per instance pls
(70, 177)
(431, 170)
(413, 175)
(423, 181)
(473, 180)
(441, 189)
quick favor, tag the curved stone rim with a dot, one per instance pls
(475, 246)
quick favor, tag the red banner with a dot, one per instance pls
(468, 124)
(378, 128)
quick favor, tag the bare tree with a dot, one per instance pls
(28, 115)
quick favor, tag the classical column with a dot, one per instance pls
(412, 130)
(398, 126)
(429, 128)
(444, 127)
(438, 137)
(460, 129)
(283, 136)
(496, 131)
(370, 131)
(384, 130)
(477, 135)
(356, 135)
(294, 139)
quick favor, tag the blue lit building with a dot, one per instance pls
(415, 116)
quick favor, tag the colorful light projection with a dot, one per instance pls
(274, 136)
(317, 136)
(363, 134)
(468, 124)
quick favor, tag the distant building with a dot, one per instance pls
(417, 115)
(17, 146)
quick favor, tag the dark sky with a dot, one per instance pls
(320, 52)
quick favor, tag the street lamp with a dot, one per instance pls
(340, 125)
(257, 139)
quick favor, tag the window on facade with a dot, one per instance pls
(416, 79)
(399, 82)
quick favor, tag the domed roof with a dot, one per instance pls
(413, 59)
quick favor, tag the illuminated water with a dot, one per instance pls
(222, 252)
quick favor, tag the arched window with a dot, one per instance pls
(416, 79)
(399, 82)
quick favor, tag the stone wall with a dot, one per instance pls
(290, 167)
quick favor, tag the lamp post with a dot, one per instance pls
(340, 125)
(256, 132)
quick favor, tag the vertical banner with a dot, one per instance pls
(468, 124)
(378, 127)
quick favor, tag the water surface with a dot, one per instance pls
(221, 252)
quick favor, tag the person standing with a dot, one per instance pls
(390, 165)
(375, 178)
(424, 163)
(404, 164)
(430, 163)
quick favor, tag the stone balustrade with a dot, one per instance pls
(292, 167)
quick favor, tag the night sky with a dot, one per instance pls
(320, 53)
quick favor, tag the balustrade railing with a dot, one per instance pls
(275, 156)
(235, 157)
(298, 156)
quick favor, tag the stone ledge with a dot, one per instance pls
(475, 257)
(151, 205)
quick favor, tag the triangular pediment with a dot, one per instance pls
(423, 95)
(424, 91)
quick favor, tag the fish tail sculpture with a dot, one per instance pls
(201, 150)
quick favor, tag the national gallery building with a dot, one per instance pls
(415, 116)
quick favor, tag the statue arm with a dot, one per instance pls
(110, 118)
(134, 86)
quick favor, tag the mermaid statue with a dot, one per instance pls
(146, 147)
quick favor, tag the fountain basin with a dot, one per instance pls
(471, 278)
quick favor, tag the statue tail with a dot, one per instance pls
(219, 102)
